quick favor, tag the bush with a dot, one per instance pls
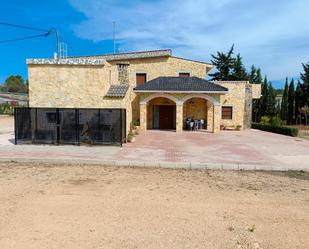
(289, 131)
(265, 120)
(276, 121)
(7, 109)
(135, 122)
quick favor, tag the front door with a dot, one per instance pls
(166, 117)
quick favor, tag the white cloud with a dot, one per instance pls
(271, 35)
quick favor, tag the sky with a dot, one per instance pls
(273, 35)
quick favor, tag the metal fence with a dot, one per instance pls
(69, 126)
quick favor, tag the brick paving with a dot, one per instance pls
(234, 149)
(227, 147)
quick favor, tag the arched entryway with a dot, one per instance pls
(195, 109)
(167, 111)
(160, 112)
(200, 107)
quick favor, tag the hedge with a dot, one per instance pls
(284, 130)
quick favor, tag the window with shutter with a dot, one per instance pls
(227, 112)
(141, 78)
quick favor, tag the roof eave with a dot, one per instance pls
(171, 91)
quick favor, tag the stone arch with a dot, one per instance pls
(161, 95)
(200, 95)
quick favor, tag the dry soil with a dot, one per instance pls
(83, 206)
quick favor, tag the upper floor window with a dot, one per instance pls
(184, 75)
(227, 112)
(141, 78)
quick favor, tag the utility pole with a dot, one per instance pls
(57, 41)
(114, 36)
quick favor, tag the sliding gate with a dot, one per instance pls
(69, 126)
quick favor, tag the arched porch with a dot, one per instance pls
(196, 106)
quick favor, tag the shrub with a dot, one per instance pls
(284, 130)
(276, 121)
(135, 122)
(265, 120)
(7, 109)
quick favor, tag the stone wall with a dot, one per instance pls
(160, 66)
(240, 98)
(248, 106)
(72, 85)
(236, 99)
(256, 91)
(75, 86)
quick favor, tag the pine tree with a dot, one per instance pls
(305, 84)
(255, 75)
(224, 64)
(238, 69)
(284, 103)
(271, 100)
(291, 103)
(263, 101)
(298, 99)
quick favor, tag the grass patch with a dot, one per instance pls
(298, 174)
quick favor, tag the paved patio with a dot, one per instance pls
(252, 147)
(237, 149)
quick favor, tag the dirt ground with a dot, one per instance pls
(83, 206)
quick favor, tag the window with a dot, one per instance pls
(184, 75)
(227, 112)
(141, 78)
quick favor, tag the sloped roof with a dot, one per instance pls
(131, 55)
(118, 91)
(179, 84)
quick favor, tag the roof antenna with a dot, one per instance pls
(114, 36)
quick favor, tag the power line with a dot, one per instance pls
(26, 38)
(22, 27)
(48, 32)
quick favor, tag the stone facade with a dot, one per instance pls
(239, 98)
(83, 83)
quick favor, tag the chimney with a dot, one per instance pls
(123, 74)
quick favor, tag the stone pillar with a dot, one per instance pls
(143, 117)
(216, 118)
(179, 118)
(210, 118)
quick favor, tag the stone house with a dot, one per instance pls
(157, 89)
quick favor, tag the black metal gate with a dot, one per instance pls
(69, 126)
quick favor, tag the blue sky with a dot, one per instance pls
(273, 35)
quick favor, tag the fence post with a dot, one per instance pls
(15, 130)
(120, 114)
(77, 127)
(57, 126)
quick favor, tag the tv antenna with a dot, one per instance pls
(114, 36)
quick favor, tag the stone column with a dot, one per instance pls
(216, 118)
(210, 117)
(179, 118)
(143, 117)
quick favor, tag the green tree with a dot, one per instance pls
(298, 99)
(304, 76)
(284, 102)
(291, 103)
(271, 100)
(238, 70)
(15, 84)
(224, 64)
(255, 75)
